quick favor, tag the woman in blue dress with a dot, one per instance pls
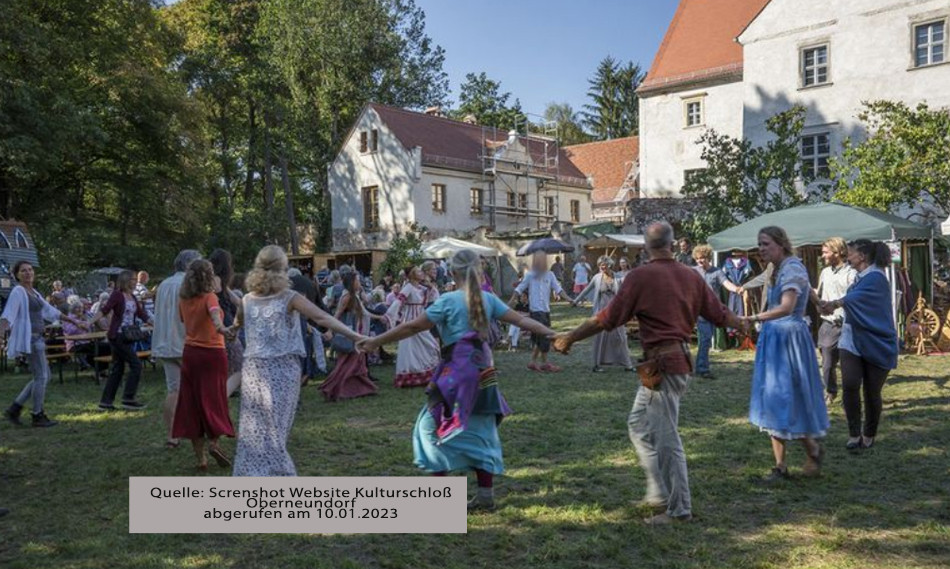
(787, 394)
(457, 429)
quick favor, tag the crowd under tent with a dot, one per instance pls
(615, 245)
(808, 226)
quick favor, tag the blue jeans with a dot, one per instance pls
(39, 367)
(705, 331)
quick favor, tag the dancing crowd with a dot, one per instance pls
(215, 335)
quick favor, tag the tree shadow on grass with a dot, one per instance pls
(566, 503)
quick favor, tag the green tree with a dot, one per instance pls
(614, 108)
(742, 181)
(483, 98)
(568, 123)
(405, 250)
(281, 81)
(95, 129)
(905, 160)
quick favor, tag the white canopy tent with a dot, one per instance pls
(445, 247)
(616, 240)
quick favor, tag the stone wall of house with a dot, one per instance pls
(641, 212)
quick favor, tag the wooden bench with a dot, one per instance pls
(108, 359)
(56, 352)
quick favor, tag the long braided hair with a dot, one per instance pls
(466, 268)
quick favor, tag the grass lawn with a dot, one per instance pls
(565, 501)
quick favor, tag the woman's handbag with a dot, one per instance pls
(132, 334)
(339, 342)
(342, 344)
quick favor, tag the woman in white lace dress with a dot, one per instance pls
(417, 355)
(271, 373)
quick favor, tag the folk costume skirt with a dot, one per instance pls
(202, 409)
(787, 393)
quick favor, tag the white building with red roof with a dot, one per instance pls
(612, 167)
(831, 57)
(694, 83)
(398, 167)
(729, 65)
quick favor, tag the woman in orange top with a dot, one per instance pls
(202, 410)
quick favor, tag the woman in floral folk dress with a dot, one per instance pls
(418, 355)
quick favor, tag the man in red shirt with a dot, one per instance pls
(666, 297)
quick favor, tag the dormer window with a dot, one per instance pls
(4, 242)
(20, 240)
(369, 141)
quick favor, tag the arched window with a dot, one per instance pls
(21, 240)
(4, 242)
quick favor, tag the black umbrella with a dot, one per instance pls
(547, 244)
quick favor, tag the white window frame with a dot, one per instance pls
(374, 192)
(575, 211)
(701, 120)
(550, 205)
(17, 236)
(815, 156)
(4, 242)
(479, 207)
(929, 45)
(438, 198)
(803, 67)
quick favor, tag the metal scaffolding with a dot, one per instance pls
(521, 164)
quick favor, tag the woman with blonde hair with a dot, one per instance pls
(787, 394)
(610, 346)
(457, 428)
(270, 384)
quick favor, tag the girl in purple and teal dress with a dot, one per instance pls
(457, 429)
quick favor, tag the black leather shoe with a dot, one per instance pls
(12, 414)
(42, 420)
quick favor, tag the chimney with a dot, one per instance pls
(435, 111)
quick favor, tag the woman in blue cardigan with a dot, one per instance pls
(868, 343)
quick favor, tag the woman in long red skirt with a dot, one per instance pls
(202, 410)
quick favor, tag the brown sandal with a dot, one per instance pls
(218, 455)
(813, 468)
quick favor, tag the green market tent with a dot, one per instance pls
(813, 224)
(592, 229)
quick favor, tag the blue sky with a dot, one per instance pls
(544, 50)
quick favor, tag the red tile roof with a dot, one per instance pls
(700, 42)
(607, 163)
(454, 144)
